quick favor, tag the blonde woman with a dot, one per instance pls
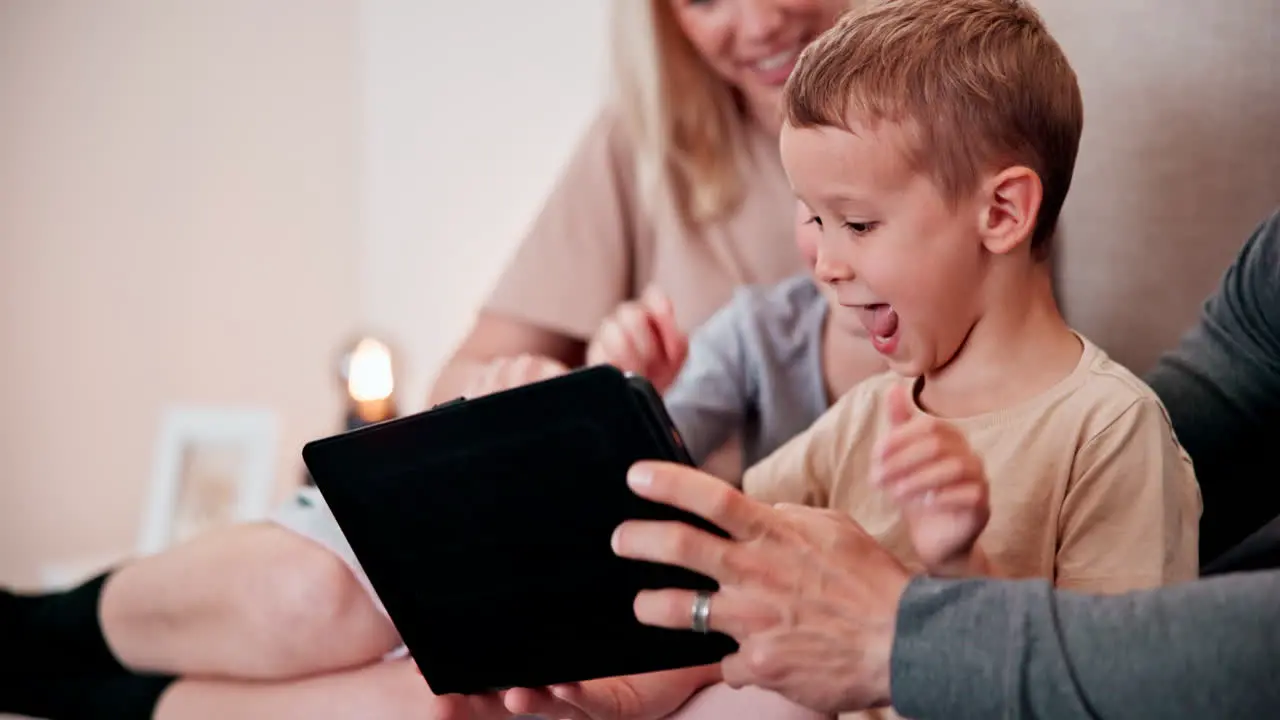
(677, 185)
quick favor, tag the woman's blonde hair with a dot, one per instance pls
(686, 123)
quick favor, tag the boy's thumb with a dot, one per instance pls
(899, 404)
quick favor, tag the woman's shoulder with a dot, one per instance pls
(611, 133)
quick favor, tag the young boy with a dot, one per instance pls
(935, 142)
(759, 371)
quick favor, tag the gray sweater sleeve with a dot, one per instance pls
(999, 649)
(712, 396)
(1221, 386)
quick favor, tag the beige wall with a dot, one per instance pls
(470, 109)
(177, 221)
(1180, 158)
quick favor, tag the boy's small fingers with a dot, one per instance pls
(679, 350)
(961, 497)
(634, 322)
(674, 341)
(901, 466)
(931, 476)
(899, 439)
(898, 405)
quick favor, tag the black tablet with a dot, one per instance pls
(484, 527)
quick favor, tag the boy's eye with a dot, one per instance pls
(860, 228)
(815, 220)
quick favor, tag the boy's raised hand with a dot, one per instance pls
(926, 464)
(642, 337)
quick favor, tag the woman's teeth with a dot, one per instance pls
(774, 62)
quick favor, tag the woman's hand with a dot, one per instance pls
(810, 597)
(928, 467)
(642, 337)
(505, 373)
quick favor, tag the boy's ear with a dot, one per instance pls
(1012, 204)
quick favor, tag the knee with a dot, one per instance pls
(311, 611)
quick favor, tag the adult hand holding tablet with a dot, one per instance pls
(809, 595)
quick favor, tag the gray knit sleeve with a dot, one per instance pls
(1002, 649)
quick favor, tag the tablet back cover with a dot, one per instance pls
(484, 526)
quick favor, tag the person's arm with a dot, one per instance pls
(1221, 386)
(710, 398)
(577, 263)
(985, 648)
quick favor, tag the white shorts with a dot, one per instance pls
(308, 515)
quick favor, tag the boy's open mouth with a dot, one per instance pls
(881, 322)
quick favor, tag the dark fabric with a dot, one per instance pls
(120, 696)
(59, 665)
(1221, 386)
(993, 649)
(1260, 551)
(58, 632)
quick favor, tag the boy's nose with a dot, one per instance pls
(831, 267)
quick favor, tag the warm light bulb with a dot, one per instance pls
(369, 374)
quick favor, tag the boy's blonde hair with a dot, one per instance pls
(978, 84)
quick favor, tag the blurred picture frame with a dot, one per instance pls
(212, 467)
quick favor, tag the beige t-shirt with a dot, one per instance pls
(599, 241)
(1088, 485)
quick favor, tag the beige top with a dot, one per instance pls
(597, 242)
(1088, 485)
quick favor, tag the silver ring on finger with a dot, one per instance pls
(701, 612)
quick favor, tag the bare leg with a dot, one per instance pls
(720, 702)
(253, 601)
(382, 691)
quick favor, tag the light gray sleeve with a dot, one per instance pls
(1003, 649)
(711, 397)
